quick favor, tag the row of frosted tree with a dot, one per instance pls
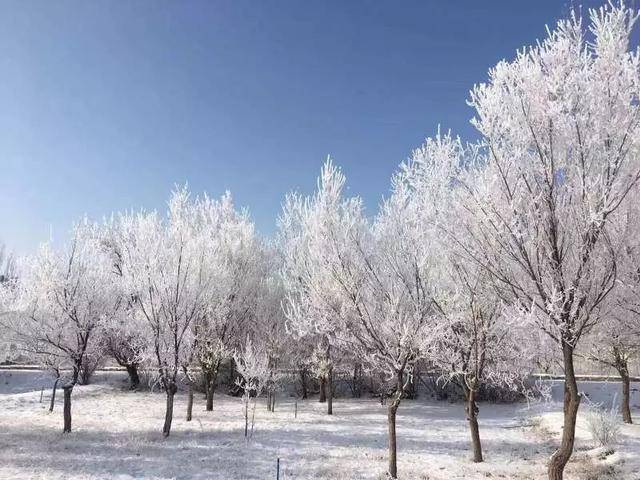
(483, 262)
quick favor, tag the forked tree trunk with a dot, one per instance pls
(329, 387)
(562, 455)
(190, 402)
(53, 394)
(626, 410)
(323, 393)
(168, 416)
(134, 378)
(66, 411)
(472, 415)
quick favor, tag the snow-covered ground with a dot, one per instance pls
(117, 435)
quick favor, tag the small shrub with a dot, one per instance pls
(604, 424)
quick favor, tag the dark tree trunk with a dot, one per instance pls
(624, 375)
(323, 393)
(134, 378)
(66, 411)
(190, 402)
(168, 416)
(391, 421)
(303, 383)
(246, 417)
(329, 388)
(562, 455)
(210, 391)
(472, 416)
(53, 394)
(210, 380)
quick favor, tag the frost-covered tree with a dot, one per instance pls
(165, 270)
(8, 350)
(615, 342)
(311, 313)
(62, 298)
(559, 127)
(7, 264)
(322, 366)
(367, 285)
(8, 346)
(479, 346)
(301, 363)
(234, 257)
(252, 363)
(124, 336)
(268, 322)
(125, 341)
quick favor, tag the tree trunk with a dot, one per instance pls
(168, 416)
(472, 416)
(66, 411)
(210, 391)
(246, 416)
(190, 402)
(323, 393)
(53, 394)
(134, 378)
(391, 420)
(272, 401)
(210, 379)
(562, 455)
(303, 383)
(626, 410)
(329, 387)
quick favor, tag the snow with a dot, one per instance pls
(116, 434)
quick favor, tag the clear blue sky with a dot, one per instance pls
(105, 105)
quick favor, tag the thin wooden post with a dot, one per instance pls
(278, 469)
(295, 414)
(41, 394)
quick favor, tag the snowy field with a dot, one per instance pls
(116, 434)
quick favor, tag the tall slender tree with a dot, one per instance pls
(166, 270)
(235, 254)
(480, 346)
(615, 343)
(559, 127)
(61, 300)
(369, 284)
